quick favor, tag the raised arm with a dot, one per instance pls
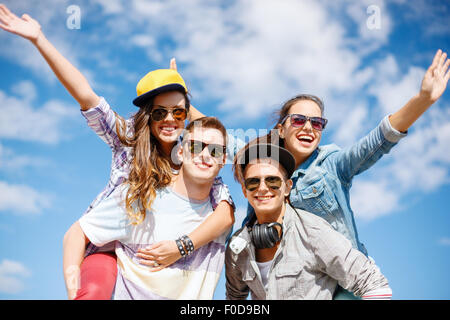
(28, 28)
(433, 86)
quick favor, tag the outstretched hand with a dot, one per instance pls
(25, 26)
(436, 78)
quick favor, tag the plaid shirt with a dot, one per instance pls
(310, 261)
(102, 119)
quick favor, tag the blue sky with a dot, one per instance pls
(241, 60)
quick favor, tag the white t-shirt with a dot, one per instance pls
(264, 268)
(172, 215)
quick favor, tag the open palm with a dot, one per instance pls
(436, 77)
(25, 27)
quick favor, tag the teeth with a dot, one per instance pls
(305, 137)
(264, 198)
(168, 128)
(202, 165)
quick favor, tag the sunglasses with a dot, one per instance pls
(273, 182)
(215, 150)
(299, 120)
(159, 114)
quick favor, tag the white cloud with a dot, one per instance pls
(353, 126)
(111, 6)
(22, 199)
(21, 121)
(12, 274)
(11, 161)
(251, 55)
(392, 88)
(445, 241)
(373, 199)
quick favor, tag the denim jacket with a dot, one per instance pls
(322, 183)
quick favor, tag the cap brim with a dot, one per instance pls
(262, 151)
(143, 98)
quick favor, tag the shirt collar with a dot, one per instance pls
(305, 165)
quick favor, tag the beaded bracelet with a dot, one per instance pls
(188, 244)
(180, 247)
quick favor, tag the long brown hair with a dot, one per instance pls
(150, 168)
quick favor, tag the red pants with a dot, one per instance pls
(98, 277)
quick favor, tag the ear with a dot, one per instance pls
(280, 129)
(289, 185)
(224, 160)
(180, 154)
(244, 191)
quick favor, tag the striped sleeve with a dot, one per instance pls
(102, 120)
(378, 294)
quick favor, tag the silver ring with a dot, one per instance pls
(155, 264)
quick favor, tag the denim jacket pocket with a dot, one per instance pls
(317, 198)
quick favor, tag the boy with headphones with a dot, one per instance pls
(286, 253)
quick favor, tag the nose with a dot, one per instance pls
(263, 186)
(169, 116)
(205, 155)
(308, 125)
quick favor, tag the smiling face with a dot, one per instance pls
(201, 165)
(167, 130)
(268, 202)
(301, 142)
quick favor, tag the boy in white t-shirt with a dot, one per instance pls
(176, 211)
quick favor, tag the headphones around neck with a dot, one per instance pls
(265, 235)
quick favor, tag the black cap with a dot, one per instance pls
(272, 151)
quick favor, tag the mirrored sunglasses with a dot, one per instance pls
(272, 182)
(299, 120)
(158, 114)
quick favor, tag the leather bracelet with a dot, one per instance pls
(180, 247)
(188, 244)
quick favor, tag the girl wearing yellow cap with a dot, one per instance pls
(141, 147)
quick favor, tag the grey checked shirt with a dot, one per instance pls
(310, 261)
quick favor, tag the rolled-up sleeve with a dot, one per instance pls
(391, 134)
(102, 120)
(236, 288)
(220, 192)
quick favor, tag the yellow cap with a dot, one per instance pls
(156, 82)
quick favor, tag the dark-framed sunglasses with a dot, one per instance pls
(158, 113)
(215, 150)
(299, 120)
(272, 182)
